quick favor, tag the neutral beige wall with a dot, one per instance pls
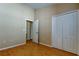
(12, 23)
(64, 7)
(44, 15)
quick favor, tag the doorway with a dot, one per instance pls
(32, 31)
(28, 30)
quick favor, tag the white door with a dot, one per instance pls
(69, 32)
(78, 34)
(35, 31)
(64, 32)
(57, 32)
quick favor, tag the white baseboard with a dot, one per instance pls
(45, 44)
(12, 46)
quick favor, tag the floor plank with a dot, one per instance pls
(33, 49)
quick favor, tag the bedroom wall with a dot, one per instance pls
(13, 24)
(44, 15)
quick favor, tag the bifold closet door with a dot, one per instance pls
(69, 32)
(57, 32)
(78, 34)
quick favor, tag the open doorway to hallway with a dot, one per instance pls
(32, 31)
(28, 30)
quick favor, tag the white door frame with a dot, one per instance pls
(26, 26)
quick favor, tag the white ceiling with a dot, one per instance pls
(38, 5)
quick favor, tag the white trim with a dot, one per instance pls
(12, 46)
(29, 20)
(45, 44)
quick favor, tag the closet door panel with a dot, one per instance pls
(69, 32)
(78, 34)
(54, 33)
(57, 32)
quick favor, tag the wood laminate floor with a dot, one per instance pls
(33, 49)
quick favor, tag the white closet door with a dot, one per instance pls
(78, 34)
(54, 32)
(57, 32)
(69, 32)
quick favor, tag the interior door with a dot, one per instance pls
(35, 31)
(69, 32)
(57, 32)
(78, 34)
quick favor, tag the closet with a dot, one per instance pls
(64, 31)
